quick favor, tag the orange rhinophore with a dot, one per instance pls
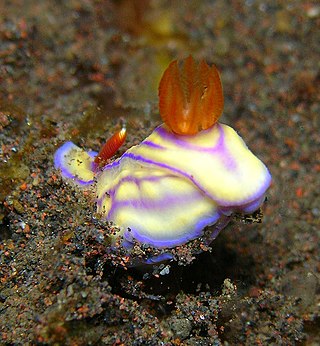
(190, 96)
(110, 148)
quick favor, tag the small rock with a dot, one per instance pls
(181, 328)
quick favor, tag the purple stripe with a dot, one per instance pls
(195, 232)
(83, 182)
(221, 223)
(153, 145)
(253, 206)
(61, 153)
(225, 157)
(143, 203)
(178, 141)
(60, 163)
(163, 165)
(190, 177)
(67, 174)
(159, 258)
(152, 178)
(113, 164)
(92, 153)
(130, 179)
(154, 205)
(158, 164)
(175, 139)
(219, 148)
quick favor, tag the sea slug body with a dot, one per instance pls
(191, 172)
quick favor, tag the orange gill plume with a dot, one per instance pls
(190, 96)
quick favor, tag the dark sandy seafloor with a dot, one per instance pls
(74, 70)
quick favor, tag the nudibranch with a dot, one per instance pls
(190, 173)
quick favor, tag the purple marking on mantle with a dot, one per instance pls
(254, 205)
(130, 179)
(153, 145)
(159, 204)
(173, 169)
(177, 139)
(194, 233)
(59, 163)
(221, 202)
(218, 149)
(92, 153)
(60, 154)
(166, 256)
(149, 204)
